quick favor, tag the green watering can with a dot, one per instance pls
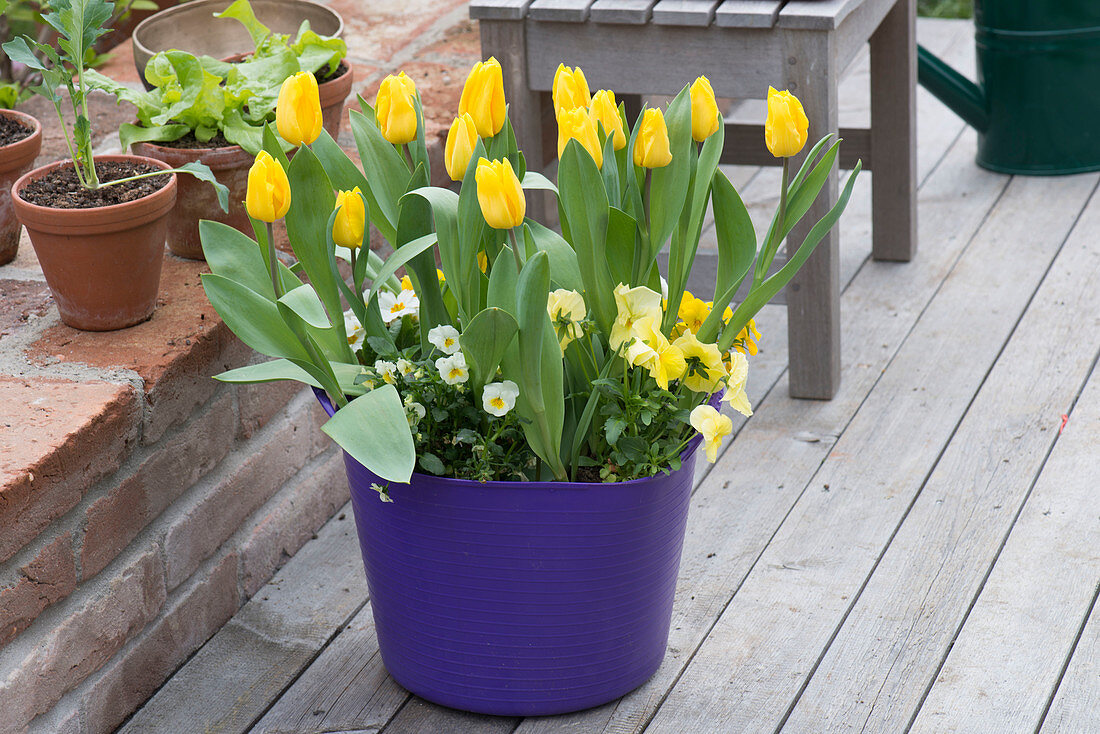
(1037, 103)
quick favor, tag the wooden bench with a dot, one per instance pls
(638, 47)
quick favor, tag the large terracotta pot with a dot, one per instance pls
(521, 598)
(102, 264)
(197, 199)
(15, 160)
(190, 27)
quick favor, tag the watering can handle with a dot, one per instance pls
(960, 94)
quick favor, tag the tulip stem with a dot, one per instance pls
(775, 235)
(515, 249)
(273, 261)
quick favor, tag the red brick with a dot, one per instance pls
(84, 640)
(192, 617)
(259, 403)
(226, 502)
(175, 352)
(292, 519)
(50, 577)
(116, 518)
(22, 300)
(58, 439)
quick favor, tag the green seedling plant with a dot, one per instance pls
(78, 24)
(206, 96)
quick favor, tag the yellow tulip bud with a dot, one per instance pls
(394, 109)
(298, 111)
(704, 110)
(268, 194)
(461, 141)
(786, 125)
(651, 146)
(576, 124)
(483, 97)
(347, 229)
(570, 89)
(499, 193)
(605, 112)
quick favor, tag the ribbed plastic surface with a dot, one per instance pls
(522, 598)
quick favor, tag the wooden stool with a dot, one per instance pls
(637, 47)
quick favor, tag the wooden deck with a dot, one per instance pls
(921, 553)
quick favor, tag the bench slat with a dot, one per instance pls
(747, 13)
(630, 12)
(824, 15)
(566, 11)
(498, 9)
(684, 12)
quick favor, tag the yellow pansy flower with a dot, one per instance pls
(705, 368)
(735, 384)
(693, 311)
(713, 426)
(633, 304)
(567, 310)
(747, 338)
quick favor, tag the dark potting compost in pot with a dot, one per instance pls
(62, 190)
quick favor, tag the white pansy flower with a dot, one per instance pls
(445, 338)
(386, 370)
(405, 367)
(414, 411)
(356, 333)
(499, 397)
(394, 306)
(453, 369)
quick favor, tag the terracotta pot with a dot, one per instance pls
(102, 264)
(333, 93)
(15, 160)
(190, 27)
(196, 199)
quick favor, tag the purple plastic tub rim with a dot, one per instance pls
(529, 602)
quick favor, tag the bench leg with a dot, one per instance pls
(813, 296)
(894, 134)
(507, 41)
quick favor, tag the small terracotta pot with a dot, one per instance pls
(102, 264)
(197, 199)
(15, 160)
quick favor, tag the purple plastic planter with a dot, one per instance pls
(521, 598)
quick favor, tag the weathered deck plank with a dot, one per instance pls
(936, 564)
(237, 674)
(1022, 629)
(767, 642)
(1076, 706)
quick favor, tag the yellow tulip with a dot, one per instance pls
(704, 110)
(268, 194)
(394, 109)
(461, 141)
(483, 97)
(705, 368)
(735, 384)
(347, 229)
(713, 426)
(575, 124)
(298, 111)
(570, 88)
(651, 146)
(786, 125)
(634, 305)
(499, 193)
(605, 112)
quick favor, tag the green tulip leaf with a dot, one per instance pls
(270, 371)
(565, 271)
(374, 431)
(584, 204)
(669, 185)
(385, 171)
(253, 318)
(484, 341)
(304, 302)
